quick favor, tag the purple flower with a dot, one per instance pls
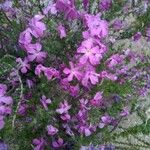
(65, 117)
(39, 69)
(3, 89)
(68, 8)
(50, 8)
(39, 144)
(148, 33)
(97, 100)
(51, 130)
(90, 52)
(124, 112)
(90, 76)
(117, 24)
(58, 143)
(85, 4)
(62, 31)
(45, 102)
(137, 36)
(24, 65)
(63, 107)
(34, 53)
(105, 120)
(25, 38)
(97, 27)
(51, 73)
(105, 5)
(6, 100)
(37, 27)
(72, 72)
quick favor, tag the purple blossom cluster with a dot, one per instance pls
(91, 64)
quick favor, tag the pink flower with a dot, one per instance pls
(58, 143)
(90, 76)
(63, 108)
(72, 72)
(51, 130)
(37, 27)
(45, 102)
(97, 100)
(24, 64)
(39, 144)
(34, 53)
(90, 52)
(62, 31)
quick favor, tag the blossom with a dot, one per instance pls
(117, 24)
(114, 60)
(124, 112)
(137, 36)
(24, 64)
(68, 8)
(25, 38)
(86, 130)
(85, 4)
(51, 130)
(110, 76)
(105, 5)
(72, 72)
(105, 120)
(37, 27)
(63, 107)
(58, 143)
(74, 90)
(62, 31)
(50, 8)
(90, 52)
(97, 100)
(45, 102)
(6, 100)
(3, 89)
(5, 110)
(50, 73)
(39, 69)
(97, 27)
(148, 33)
(34, 52)
(65, 117)
(39, 144)
(90, 76)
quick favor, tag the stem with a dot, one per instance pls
(20, 99)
